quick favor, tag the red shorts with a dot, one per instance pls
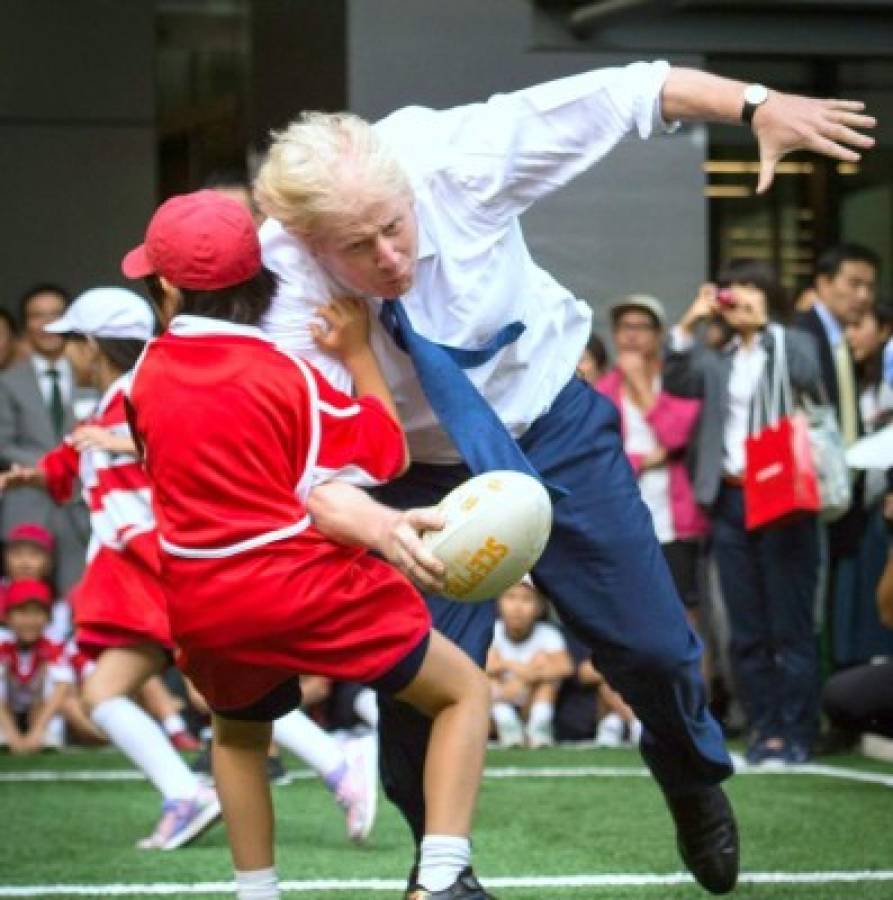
(120, 601)
(247, 623)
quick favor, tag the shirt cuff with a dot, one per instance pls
(680, 341)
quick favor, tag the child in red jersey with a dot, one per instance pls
(35, 677)
(237, 434)
(119, 606)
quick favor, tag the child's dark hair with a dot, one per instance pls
(762, 275)
(122, 353)
(242, 304)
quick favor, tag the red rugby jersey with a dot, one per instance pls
(236, 432)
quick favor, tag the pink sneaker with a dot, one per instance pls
(357, 793)
(183, 820)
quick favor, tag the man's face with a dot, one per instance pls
(42, 309)
(849, 293)
(636, 331)
(372, 252)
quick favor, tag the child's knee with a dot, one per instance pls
(240, 735)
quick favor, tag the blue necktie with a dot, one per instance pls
(477, 432)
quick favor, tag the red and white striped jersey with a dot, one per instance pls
(115, 486)
(26, 672)
(236, 433)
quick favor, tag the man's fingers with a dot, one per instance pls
(852, 105)
(843, 134)
(851, 119)
(767, 172)
(831, 148)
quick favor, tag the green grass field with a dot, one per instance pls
(536, 832)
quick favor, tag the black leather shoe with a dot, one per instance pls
(465, 887)
(707, 837)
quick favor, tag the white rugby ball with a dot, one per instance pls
(497, 526)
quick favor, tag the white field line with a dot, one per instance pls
(215, 888)
(492, 772)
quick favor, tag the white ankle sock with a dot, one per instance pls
(541, 714)
(258, 884)
(303, 737)
(174, 724)
(137, 735)
(443, 857)
(365, 705)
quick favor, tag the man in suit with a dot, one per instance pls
(844, 287)
(36, 412)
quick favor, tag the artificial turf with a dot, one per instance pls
(82, 832)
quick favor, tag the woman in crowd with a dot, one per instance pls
(769, 577)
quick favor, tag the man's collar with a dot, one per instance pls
(832, 327)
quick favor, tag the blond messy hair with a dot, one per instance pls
(311, 166)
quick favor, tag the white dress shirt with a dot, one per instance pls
(475, 169)
(748, 364)
(63, 367)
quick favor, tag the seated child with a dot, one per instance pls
(238, 436)
(35, 676)
(526, 663)
(618, 725)
(28, 553)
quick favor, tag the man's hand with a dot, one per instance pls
(788, 122)
(401, 544)
(21, 476)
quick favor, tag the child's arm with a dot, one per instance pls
(348, 515)
(347, 338)
(50, 707)
(14, 738)
(22, 476)
(93, 437)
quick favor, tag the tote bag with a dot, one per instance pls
(780, 481)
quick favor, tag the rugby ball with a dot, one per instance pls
(497, 526)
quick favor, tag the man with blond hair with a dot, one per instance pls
(420, 214)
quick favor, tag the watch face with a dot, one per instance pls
(756, 94)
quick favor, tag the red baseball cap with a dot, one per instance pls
(31, 533)
(201, 241)
(26, 590)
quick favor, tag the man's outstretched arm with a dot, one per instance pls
(783, 124)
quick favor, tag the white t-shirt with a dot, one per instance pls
(474, 170)
(544, 638)
(654, 484)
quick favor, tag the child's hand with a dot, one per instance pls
(20, 476)
(347, 333)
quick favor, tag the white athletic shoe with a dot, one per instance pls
(635, 733)
(610, 732)
(540, 736)
(509, 730)
(357, 794)
(183, 821)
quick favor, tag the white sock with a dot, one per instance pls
(174, 724)
(303, 737)
(443, 857)
(365, 705)
(136, 734)
(259, 884)
(541, 714)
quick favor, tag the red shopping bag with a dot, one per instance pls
(780, 482)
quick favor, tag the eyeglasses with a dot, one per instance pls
(641, 327)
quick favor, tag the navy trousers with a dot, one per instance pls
(604, 571)
(769, 581)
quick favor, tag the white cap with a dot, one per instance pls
(107, 312)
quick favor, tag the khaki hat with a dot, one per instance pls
(644, 302)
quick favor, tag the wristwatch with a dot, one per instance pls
(754, 95)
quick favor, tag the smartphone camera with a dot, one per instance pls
(724, 298)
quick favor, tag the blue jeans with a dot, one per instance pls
(769, 580)
(604, 571)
